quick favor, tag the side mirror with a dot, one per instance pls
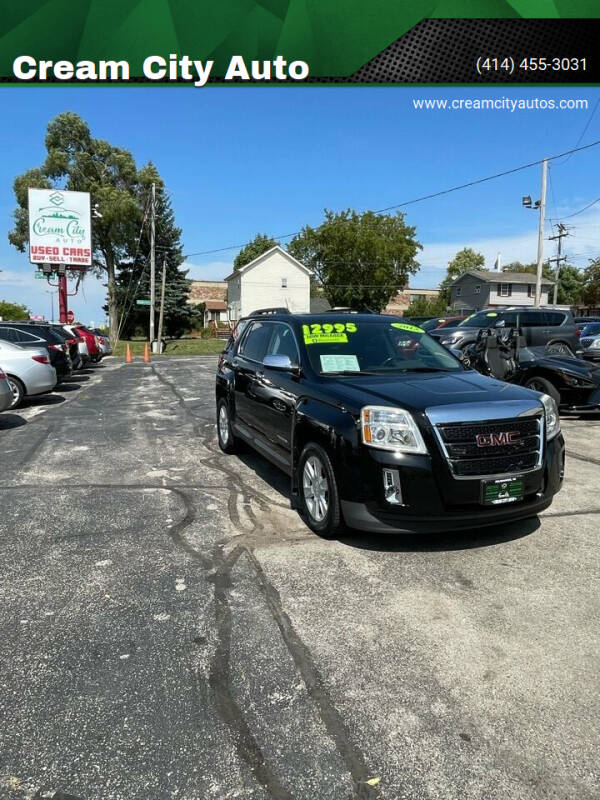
(280, 362)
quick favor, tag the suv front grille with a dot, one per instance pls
(501, 447)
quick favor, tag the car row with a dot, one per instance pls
(36, 356)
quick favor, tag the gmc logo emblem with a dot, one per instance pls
(497, 439)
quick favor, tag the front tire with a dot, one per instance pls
(18, 391)
(227, 441)
(319, 497)
(539, 384)
(560, 349)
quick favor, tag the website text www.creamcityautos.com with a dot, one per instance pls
(503, 103)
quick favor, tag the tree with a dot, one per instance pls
(259, 245)
(591, 284)
(465, 260)
(360, 260)
(426, 307)
(570, 280)
(15, 311)
(133, 281)
(76, 161)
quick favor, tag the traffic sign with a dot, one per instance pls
(142, 302)
(38, 274)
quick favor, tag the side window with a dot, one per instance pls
(533, 319)
(23, 336)
(283, 343)
(510, 319)
(8, 334)
(554, 318)
(255, 342)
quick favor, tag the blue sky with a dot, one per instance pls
(242, 160)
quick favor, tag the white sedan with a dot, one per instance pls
(28, 371)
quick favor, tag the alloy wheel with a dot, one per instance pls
(315, 486)
(223, 424)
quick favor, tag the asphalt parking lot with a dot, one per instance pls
(169, 627)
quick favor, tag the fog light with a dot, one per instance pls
(392, 490)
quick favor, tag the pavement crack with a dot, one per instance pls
(315, 685)
(589, 459)
(219, 680)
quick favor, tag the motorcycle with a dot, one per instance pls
(574, 384)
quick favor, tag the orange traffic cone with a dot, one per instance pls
(128, 358)
(146, 353)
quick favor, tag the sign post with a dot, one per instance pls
(60, 234)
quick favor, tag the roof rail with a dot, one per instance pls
(276, 310)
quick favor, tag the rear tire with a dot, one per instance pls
(318, 492)
(18, 391)
(228, 442)
(539, 384)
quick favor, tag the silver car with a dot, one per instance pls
(6, 395)
(28, 371)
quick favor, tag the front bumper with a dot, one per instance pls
(434, 502)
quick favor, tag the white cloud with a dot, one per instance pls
(210, 271)
(582, 244)
(20, 286)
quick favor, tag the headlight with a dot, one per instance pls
(552, 418)
(451, 340)
(595, 343)
(391, 429)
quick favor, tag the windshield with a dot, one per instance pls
(483, 319)
(591, 330)
(378, 347)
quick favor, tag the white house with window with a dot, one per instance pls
(477, 289)
(274, 279)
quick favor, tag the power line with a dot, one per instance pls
(583, 132)
(581, 210)
(430, 196)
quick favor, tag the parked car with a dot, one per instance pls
(552, 328)
(571, 382)
(71, 342)
(381, 428)
(6, 395)
(439, 322)
(91, 341)
(103, 341)
(82, 347)
(581, 322)
(590, 341)
(28, 371)
(36, 335)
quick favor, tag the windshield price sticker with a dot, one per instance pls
(327, 332)
(403, 326)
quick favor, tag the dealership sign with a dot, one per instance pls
(60, 228)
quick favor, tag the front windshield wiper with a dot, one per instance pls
(348, 372)
(415, 369)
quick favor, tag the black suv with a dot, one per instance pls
(541, 327)
(35, 334)
(382, 428)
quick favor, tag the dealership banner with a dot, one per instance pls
(60, 228)
(299, 41)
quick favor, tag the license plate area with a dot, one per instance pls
(502, 490)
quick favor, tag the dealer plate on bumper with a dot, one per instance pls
(502, 490)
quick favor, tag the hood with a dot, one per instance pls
(416, 392)
(571, 366)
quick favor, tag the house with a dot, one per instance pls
(273, 279)
(477, 289)
(400, 302)
(213, 294)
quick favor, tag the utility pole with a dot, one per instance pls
(152, 263)
(540, 250)
(562, 232)
(162, 305)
